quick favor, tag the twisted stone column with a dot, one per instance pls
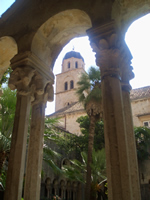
(109, 50)
(20, 79)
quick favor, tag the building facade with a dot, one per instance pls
(67, 106)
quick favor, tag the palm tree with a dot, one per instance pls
(76, 170)
(89, 92)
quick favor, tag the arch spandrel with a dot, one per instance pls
(58, 31)
(8, 49)
(129, 11)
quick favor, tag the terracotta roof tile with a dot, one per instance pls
(140, 93)
(76, 106)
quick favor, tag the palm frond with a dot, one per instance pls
(5, 143)
(53, 166)
(94, 74)
(89, 87)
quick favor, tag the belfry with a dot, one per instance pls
(66, 81)
(67, 106)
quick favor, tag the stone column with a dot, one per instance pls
(109, 51)
(63, 189)
(69, 190)
(43, 89)
(20, 79)
(126, 76)
(48, 187)
(75, 185)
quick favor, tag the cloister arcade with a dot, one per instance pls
(32, 33)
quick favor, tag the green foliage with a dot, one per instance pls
(73, 144)
(7, 111)
(142, 136)
(76, 170)
(98, 166)
(3, 178)
(99, 142)
(5, 76)
(89, 86)
(50, 156)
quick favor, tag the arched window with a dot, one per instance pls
(66, 86)
(68, 64)
(71, 84)
(76, 64)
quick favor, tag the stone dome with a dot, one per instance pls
(73, 54)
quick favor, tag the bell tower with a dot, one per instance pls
(66, 82)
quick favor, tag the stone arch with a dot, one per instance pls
(58, 31)
(48, 186)
(139, 48)
(48, 180)
(62, 182)
(8, 49)
(128, 12)
(65, 161)
(71, 84)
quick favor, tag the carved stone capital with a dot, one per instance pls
(112, 54)
(29, 59)
(125, 67)
(27, 78)
(20, 79)
(43, 94)
(108, 54)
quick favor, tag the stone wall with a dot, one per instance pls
(140, 111)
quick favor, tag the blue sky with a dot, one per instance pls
(137, 39)
(5, 4)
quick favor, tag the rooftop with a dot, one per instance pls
(140, 93)
(73, 54)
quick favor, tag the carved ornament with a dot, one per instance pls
(28, 80)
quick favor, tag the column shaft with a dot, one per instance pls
(18, 149)
(118, 174)
(35, 153)
(131, 146)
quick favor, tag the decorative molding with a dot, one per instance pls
(28, 81)
(112, 54)
(29, 59)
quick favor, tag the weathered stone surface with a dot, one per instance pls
(110, 56)
(8, 48)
